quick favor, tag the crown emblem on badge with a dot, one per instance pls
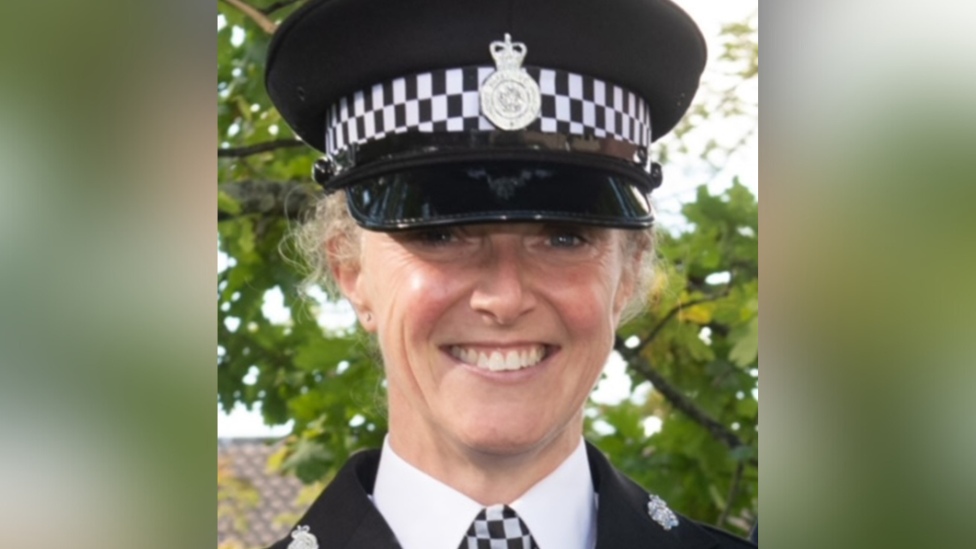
(303, 539)
(510, 98)
(508, 56)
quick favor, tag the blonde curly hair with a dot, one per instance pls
(330, 237)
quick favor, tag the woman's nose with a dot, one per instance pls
(503, 293)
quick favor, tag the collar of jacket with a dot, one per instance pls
(344, 517)
(622, 519)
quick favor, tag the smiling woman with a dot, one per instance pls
(489, 219)
(493, 336)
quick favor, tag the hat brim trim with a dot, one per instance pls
(514, 190)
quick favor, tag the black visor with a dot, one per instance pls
(487, 192)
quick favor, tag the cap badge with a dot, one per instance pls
(302, 539)
(661, 514)
(510, 98)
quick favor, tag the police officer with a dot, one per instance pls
(488, 219)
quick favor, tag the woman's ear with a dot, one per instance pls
(347, 272)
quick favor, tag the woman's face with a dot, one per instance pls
(492, 335)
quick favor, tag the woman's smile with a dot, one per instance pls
(500, 359)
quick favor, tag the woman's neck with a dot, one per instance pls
(485, 475)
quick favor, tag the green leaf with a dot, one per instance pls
(226, 204)
(311, 460)
(748, 408)
(746, 349)
(247, 239)
(322, 354)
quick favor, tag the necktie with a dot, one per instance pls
(498, 527)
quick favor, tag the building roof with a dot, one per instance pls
(261, 506)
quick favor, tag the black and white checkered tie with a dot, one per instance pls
(498, 527)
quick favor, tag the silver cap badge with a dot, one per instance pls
(302, 539)
(661, 514)
(510, 98)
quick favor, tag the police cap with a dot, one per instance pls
(438, 112)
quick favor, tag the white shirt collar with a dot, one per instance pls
(560, 510)
(424, 513)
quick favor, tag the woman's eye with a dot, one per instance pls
(565, 240)
(434, 237)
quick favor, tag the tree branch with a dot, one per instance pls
(645, 341)
(255, 15)
(291, 200)
(642, 366)
(733, 495)
(278, 5)
(240, 152)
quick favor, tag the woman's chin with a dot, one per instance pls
(502, 447)
(509, 440)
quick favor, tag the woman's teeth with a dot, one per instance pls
(499, 361)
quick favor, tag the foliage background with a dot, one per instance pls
(688, 427)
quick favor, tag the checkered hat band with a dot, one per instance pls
(448, 100)
(498, 527)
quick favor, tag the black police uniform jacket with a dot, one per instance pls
(345, 518)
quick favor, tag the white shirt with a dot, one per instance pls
(424, 513)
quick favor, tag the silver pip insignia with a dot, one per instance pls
(303, 539)
(661, 514)
(510, 98)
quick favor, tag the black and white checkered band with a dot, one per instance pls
(498, 527)
(447, 101)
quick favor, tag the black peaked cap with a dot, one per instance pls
(329, 49)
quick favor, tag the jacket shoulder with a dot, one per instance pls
(343, 515)
(624, 519)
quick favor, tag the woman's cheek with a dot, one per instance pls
(423, 295)
(585, 296)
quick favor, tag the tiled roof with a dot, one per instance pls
(246, 461)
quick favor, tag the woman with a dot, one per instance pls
(489, 220)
